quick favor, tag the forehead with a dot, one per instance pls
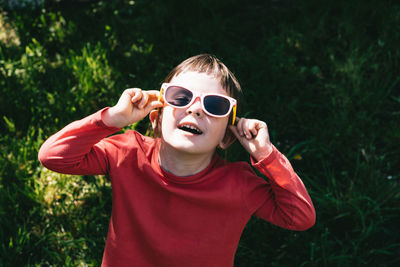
(200, 82)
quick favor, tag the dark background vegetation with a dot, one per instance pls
(323, 74)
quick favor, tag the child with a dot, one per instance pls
(175, 201)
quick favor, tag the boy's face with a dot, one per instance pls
(176, 121)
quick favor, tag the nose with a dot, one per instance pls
(195, 108)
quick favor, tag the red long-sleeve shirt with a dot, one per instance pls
(159, 219)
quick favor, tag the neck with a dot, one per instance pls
(181, 163)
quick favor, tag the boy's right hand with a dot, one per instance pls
(133, 105)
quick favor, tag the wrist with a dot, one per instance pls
(261, 154)
(112, 119)
(265, 161)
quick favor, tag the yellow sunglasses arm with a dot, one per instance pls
(160, 95)
(234, 115)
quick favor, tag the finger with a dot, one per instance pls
(144, 100)
(240, 126)
(131, 91)
(248, 125)
(237, 119)
(254, 127)
(153, 94)
(152, 101)
(135, 94)
(242, 139)
(156, 104)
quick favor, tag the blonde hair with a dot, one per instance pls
(211, 65)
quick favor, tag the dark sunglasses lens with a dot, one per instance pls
(178, 96)
(217, 105)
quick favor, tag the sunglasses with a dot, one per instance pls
(215, 105)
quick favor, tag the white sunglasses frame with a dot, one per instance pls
(232, 101)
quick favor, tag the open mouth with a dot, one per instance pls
(190, 128)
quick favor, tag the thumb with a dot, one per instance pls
(235, 131)
(242, 139)
(153, 105)
(156, 104)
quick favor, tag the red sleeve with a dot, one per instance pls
(286, 202)
(77, 148)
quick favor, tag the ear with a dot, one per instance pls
(153, 116)
(228, 139)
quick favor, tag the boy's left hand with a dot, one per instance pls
(254, 137)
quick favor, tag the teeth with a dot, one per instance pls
(190, 128)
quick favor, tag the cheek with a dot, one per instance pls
(221, 126)
(168, 118)
(168, 114)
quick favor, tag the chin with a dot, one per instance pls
(188, 146)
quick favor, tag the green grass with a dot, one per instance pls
(324, 75)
